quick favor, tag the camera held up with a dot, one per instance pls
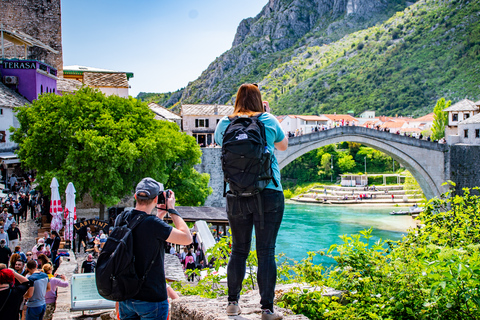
(163, 196)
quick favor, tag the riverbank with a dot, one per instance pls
(385, 195)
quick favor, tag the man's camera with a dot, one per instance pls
(163, 196)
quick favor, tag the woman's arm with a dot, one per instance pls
(282, 145)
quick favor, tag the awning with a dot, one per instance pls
(9, 158)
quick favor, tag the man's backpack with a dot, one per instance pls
(246, 160)
(115, 274)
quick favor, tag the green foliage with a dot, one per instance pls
(105, 145)
(432, 273)
(411, 185)
(316, 164)
(440, 119)
(346, 162)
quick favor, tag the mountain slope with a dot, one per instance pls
(325, 56)
(270, 39)
(403, 66)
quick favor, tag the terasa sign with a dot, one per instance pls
(19, 65)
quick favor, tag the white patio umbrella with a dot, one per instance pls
(70, 211)
(55, 207)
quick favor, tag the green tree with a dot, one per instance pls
(346, 162)
(105, 145)
(440, 119)
(325, 165)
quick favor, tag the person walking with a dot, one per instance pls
(151, 300)
(243, 212)
(36, 305)
(51, 296)
(14, 235)
(11, 295)
(5, 252)
(55, 244)
(4, 236)
(88, 266)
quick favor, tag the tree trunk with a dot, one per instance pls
(101, 215)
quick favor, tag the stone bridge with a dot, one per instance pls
(424, 159)
(430, 163)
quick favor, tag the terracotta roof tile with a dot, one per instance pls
(97, 79)
(338, 117)
(393, 124)
(428, 117)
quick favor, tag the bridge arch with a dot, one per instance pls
(424, 159)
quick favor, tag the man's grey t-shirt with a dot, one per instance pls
(40, 283)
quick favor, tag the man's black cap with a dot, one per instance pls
(149, 188)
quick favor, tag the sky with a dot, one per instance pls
(165, 43)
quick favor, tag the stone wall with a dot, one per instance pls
(464, 165)
(212, 165)
(40, 19)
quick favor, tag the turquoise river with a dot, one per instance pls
(307, 227)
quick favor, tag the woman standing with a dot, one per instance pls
(244, 212)
(51, 296)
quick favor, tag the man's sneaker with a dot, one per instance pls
(267, 314)
(233, 309)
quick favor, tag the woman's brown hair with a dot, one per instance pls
(13, 259)
(248, 101)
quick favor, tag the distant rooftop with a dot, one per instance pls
(428, 117)
(162, 113)
(463, 105)
(16, 37)
(80, 70)
(9, 98)
(471, 120)
(68, 85)
(206, 110)
(100, 79)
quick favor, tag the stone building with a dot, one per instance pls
(200, 120)
(40, 19)
(107, 81)
(9, 99)
(292, 123)
(458, 112)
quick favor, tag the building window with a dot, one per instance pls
(477, 133)
(201, 123)
(218, 120)
(41, 88)
(1, 112)
(3, 136)
(465, 133)
(466, 116)
(455, 117)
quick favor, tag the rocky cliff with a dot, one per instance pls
(271, 38)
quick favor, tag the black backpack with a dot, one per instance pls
(115, 274)
(246, 161)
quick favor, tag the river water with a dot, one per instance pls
(307, 227)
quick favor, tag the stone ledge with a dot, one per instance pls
(197, 308)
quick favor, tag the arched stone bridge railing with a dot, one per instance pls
(427, 161)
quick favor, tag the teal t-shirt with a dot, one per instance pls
(273, 132)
